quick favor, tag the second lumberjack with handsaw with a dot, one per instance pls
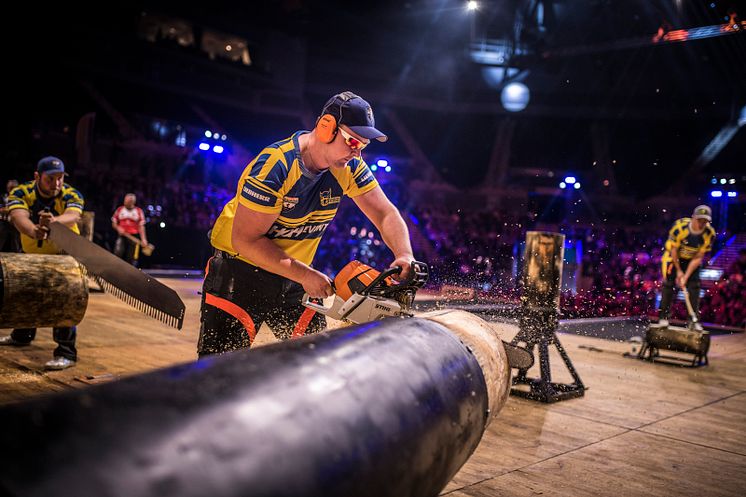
(46, 211)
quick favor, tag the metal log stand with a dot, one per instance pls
(542, 276)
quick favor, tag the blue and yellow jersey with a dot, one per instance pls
(687, 244)
(276, 182)
(26, 196)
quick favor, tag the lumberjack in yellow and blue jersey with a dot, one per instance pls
(267, 235)
(26, 196)
(689, 239)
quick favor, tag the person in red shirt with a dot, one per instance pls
(129, 223)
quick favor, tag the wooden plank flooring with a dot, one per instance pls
(641, 429)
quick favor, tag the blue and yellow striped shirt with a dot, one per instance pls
(276, 182)
(26, 196)
(688, 244)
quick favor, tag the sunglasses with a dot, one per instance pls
(351, 141)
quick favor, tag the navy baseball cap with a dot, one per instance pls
(50, 165)
(354, 112)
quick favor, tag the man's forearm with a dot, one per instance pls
(68, 218)
(24, 225)
(396, 235)
(268, 256)
(676, 262)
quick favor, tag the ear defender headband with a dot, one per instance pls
(326, 124)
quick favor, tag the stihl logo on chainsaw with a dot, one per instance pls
(384, 308)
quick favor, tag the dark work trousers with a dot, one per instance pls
(238, 297)
(128, 250)
(10, 240)
(670, 289)
(65, 338)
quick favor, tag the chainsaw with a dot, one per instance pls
(363, 294)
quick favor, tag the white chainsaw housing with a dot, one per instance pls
(358, 308)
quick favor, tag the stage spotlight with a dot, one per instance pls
(204, 146)
(374, 168)
(569, 180)
(732, 194)
(223, 137)
(714, 181)
(723, 181)
(731, 181)
(716, 194)
(382, 163)
(577, 186)
(388, 169)
(218, 149)
(562, 185)
(472, 5)
(162, 225)
(515, 97)
(208, 134)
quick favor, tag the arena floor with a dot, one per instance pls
(641, 429)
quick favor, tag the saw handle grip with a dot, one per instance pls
(39, 243)
(318, 307)
(384, 274)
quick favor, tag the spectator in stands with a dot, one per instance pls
(689, 239)
(129, 223)
(739, 265)
(33, 207)
(9, 237)
(267, 235)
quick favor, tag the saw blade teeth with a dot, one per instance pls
(172, 321)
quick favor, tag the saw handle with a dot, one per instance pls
(309, 302)
(384, 274)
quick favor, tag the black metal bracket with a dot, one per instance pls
(538, 328)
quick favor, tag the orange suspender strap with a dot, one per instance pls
(302, 325)
(241, 315)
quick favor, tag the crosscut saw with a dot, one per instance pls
(119, 278)
(363, 294)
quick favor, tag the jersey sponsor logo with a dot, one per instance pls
(299, 233)
(365, 179)
(258, 197)
(327, 199)
(289, 203)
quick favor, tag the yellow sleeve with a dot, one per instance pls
(262, 181)
(708, 237)
(357, 178)
(73, 199)
(17, 199)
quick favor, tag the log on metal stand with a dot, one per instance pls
(541, 280)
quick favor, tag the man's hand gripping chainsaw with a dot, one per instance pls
(363, 294)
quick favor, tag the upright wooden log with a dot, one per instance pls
(41, 291)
